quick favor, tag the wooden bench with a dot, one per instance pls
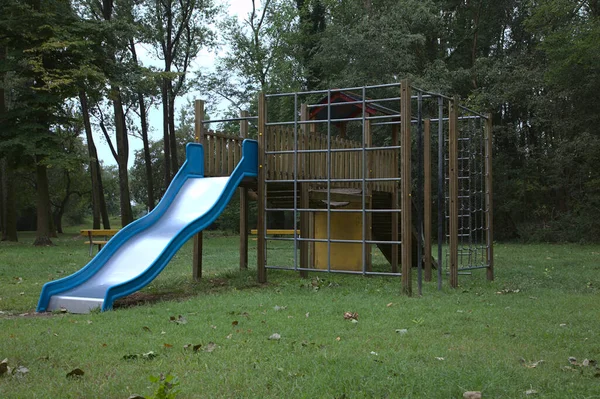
(276, 232)
(98, 237)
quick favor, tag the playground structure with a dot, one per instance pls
(362, 167)
(342, 163)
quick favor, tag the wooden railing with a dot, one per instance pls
(313, 165)
(222, 153)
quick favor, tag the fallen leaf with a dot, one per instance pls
(389, 304)
(278, 308)
(472, 395)
(147, 329)
(211, 346)
(439, 358)
(402, 331)
(307, 314)
(229, 336)
(234, 323)
(89, 322)
(338, 339)
(531, 392)
(4, 366)
(149, 355)
(562, 325)
(168, 345)
(531, 365)
(75, 373)
(350, 316)
(20, 371)
(275, 337)
(178, 320)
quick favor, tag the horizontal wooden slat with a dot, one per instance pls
(99, 232)
(281, 232)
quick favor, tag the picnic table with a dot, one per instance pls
(98, 237)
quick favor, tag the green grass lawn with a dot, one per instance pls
(544, 305)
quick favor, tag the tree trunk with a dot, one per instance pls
(42, 236)
(123, 157)
(2, 203)
(147, 156)
(10, 204)
(172, 137)
(103, 209)
(58, 215)
(144, 123)
(93, 154)
(166, 136)
(51, 225)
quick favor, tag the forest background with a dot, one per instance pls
(77, 72)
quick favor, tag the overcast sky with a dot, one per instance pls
(204, 60)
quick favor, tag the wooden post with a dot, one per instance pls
(199, 137)
(427, 198)
(243, 203)
(453, 190)
(261, 247)
(489, 198)
(304, 193)
(406, 189)
(395, 218)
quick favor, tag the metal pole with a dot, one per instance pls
(440, 196)
(406, 184)
(365, 131)
(420, 194)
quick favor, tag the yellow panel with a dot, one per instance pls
(344, 226)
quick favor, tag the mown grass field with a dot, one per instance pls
(543, 308)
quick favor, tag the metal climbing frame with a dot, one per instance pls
(469, 192)
(348, 153)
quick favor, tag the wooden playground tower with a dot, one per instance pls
(356, 168)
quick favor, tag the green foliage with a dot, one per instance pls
(166, 387)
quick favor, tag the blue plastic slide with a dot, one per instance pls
(141, 250)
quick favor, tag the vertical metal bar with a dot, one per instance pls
(364, 181)
(243, 201)
(489, 198)
(261, 247)
(304, 200)
(453, 183)
(420, 193)
(440, 193)
(395, 187)
(199, 136)
(328, 164)
(427, 199)
(405, 111)
(295, 168)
